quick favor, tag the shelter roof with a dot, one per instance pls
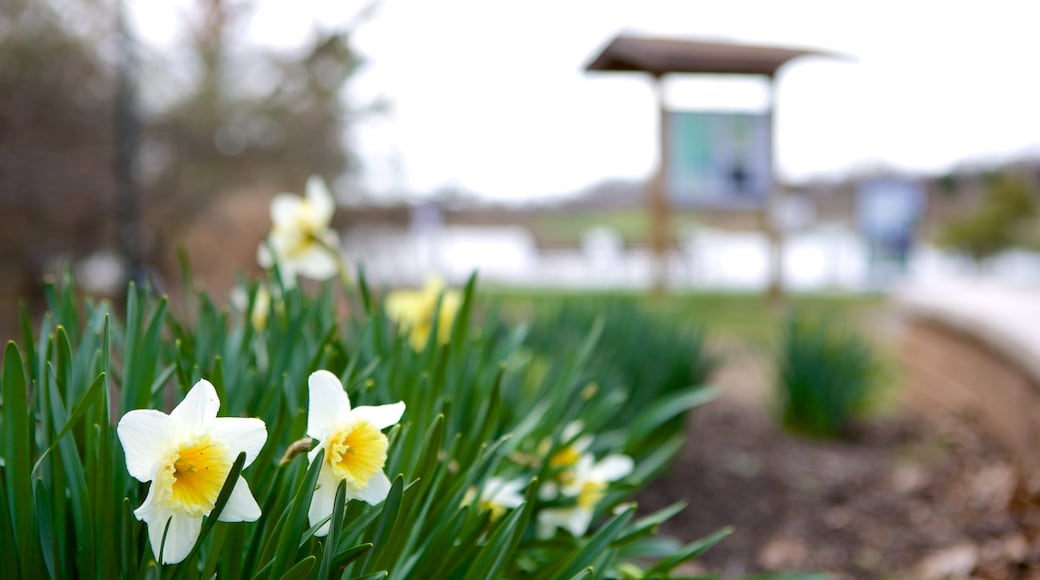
(658, 56)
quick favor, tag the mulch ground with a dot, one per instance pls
(906, 496)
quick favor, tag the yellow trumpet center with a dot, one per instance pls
(299, 244)
(356, 453)
(497, 510)
(302, 232)
(565, 457)
(194, 475)
(590, 494)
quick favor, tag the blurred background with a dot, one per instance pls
(464, 135)
(901, 158)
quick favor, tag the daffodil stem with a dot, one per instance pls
(344, 273)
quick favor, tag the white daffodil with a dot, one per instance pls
(498, 496)
(570, 454)
(355, 446)
(187, 456)
(301, 238)
(588, 486)
(413, 311)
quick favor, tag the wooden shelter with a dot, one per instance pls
(662, 56)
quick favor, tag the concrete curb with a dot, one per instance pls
(1005, 319)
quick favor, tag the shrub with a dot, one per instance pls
(826, 376)
(1002, 221)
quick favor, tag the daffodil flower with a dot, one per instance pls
(570, 454)
(187, 456)
(498, 496)
(413, 311)
(301, 239)
(587, 486)
(355, 446)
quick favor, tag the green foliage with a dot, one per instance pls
(826, 377)
(479, 406)
(996, 226)
(642, 361)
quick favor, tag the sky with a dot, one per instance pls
(491, 96)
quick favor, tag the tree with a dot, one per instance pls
(1007, 209)
(55, 140)
(248, 118)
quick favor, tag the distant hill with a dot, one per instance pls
(608, 194)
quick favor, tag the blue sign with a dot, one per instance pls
(720, 160)
(888, 211)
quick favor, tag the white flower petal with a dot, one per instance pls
(550, 519)
(505, 493)
(376, 491)
(150, 509)
(331, 239)
(381, 416)
(321, 199)
(328, 404)
(577, 521)
(584, 471)
(285, 270)
(287, 276)
(238, 298)
(574, 520)
(198, 409)
(284, 209)
(285, 242)
(572, 430)
(586, 463)
(323, 500)
(546, 525)
(316, 263)
(581, 445)
(143, 434)
(508, 501)
(548, 491)
(241, 506)
(184, 531)
(240, 434)
(516, 486)
(279, 244)
(263, 256)
(314, 452)
(612, 468)
(156, 521)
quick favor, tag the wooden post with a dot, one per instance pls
(658, 206)
(774, 234)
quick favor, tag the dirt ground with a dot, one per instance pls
(907, 496)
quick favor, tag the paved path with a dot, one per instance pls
(1005, 318)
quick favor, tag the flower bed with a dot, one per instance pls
(305, 439)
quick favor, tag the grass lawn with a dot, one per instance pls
(570, 228)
